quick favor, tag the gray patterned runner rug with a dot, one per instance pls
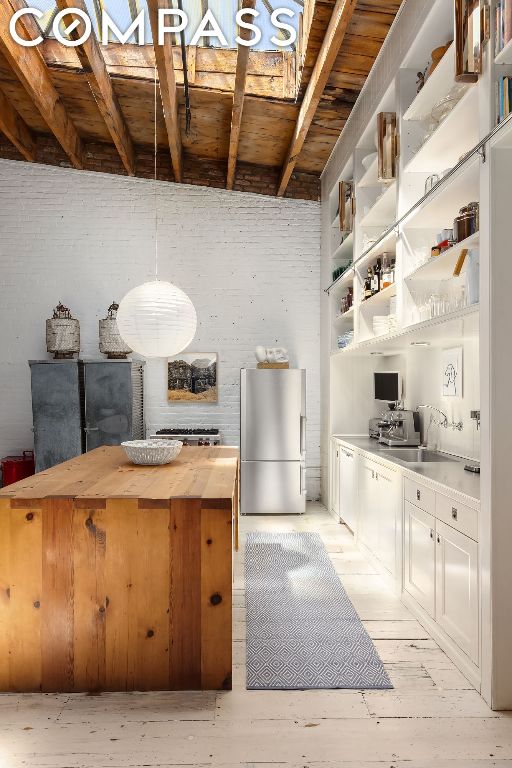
(302, 630)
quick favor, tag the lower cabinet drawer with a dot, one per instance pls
(460, 517)
(420, 496)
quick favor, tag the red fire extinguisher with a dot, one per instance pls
(16, 468)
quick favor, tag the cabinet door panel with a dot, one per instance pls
(334, 479)
(108, 404)
(388, 502)
(347, 482)
(420, 556)
(457, 588)
(368, 522)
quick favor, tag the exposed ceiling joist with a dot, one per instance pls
(31, 70)
(340, 19)
(16, 130)
(238, 100)
(168, 92)
(93, 63)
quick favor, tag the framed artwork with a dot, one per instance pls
(192, 378)
(452, 372)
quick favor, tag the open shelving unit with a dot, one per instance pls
(466, 159)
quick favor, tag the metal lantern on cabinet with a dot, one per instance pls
(469, 33)
(347, 206)
(62, 334)
(387, 145)
(157, 319)
(111, 342)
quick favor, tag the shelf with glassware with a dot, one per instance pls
(436, 331)
(452, 132)
(434, 86)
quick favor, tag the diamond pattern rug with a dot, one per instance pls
(302, 630)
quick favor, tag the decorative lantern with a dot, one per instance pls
(62, 334)
(157, 319)
(111, 343)
(387, 145)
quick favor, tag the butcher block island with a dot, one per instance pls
(116, 577)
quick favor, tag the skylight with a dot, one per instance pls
(123, 12)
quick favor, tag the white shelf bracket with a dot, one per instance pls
(483, 153)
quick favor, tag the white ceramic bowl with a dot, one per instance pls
(152, 453)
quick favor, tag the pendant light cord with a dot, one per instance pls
(155, 180)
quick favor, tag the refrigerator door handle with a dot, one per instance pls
(303, 489)
(303, 421)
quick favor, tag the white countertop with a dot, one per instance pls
(451, 474)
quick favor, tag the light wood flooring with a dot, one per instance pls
(432, 718)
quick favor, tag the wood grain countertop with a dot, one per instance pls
(198, 473)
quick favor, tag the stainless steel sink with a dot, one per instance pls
(419, 456)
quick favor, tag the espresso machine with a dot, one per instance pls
(397, 429)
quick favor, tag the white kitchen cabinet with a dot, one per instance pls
(347, 486)
(334, 477)
(379, 511)
(457, 588)
(388, 512)
(420, 556)
(368, 521)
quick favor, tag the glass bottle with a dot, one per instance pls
(377, 273)
(368, 283)
(386, 280)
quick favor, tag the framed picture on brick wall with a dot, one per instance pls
(192, 378)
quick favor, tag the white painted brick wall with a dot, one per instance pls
(250, 263)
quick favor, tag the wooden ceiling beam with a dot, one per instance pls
(31, 70)
(168, 91)
(242, 63)
(93, 63)
(340, 19)
(16, 130)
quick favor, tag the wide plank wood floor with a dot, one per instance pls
(433, 717)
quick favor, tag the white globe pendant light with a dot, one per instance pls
(157, 319)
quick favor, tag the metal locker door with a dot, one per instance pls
(56, 412)
(108, 403)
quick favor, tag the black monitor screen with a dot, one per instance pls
(388, 387)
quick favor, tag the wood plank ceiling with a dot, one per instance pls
(94, 107)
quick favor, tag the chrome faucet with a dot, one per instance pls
(459, 426)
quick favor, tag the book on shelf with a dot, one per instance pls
(503, 98)
(503, 24)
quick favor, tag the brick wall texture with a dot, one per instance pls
(250, 263)
(210, 173)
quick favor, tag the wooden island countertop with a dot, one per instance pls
(116, 577)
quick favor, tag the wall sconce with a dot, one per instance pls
(471, 29)
(387, 145)
(347, 205)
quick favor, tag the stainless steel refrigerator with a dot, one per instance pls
(273, 442)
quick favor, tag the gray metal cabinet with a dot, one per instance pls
(56, 409)
(81, 405)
